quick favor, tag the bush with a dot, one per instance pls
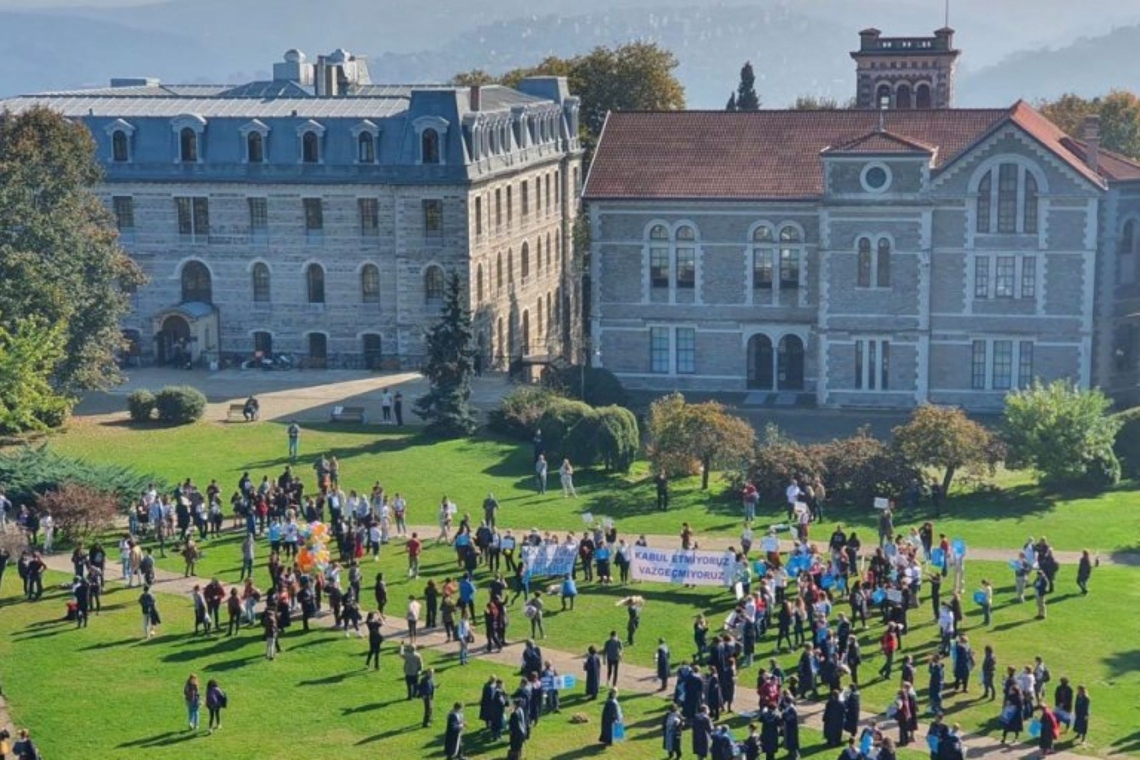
(558, 427)
(140, 405)
(79, 512)
(602, 386)
(616, 439)
(179, 404)
(1102, 472)
(1127, 443)
(520, 410)
(30, 472)
(777, 460)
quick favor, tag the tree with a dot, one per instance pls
(746, 97)
(1119, 113)
(1062, 431)
(944, 437)
(637, 76)
(29, 354)
(731, 105)
(79, 512)
(60, 261)
(450, 365)
(821, 103)
(683, 434)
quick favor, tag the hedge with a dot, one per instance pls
(140, 405)
(179, 404)
(602, 386)
(29, 472)
(1127, 444)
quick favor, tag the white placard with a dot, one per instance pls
(882, 502)
(680, 567)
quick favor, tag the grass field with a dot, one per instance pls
(128, 691)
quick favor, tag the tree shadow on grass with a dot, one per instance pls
(1123, 663)
(213, 646)
(1125, 744)
(164, 739)
(334, 678)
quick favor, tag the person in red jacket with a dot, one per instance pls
(889, 644)
(1050, 729)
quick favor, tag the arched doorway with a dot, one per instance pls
(790, 363)
(174, 341)
(760, 364)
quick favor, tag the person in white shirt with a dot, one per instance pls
(386, 405)
(400, 510)
(566, 472)
(48, 525)
(413, 618)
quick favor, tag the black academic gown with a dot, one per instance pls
(791, 729)
(609, 718)
(593, 668)
(520, 731)
(453, 738)
(833, 719)
(702, 735)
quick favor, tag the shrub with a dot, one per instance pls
(29, 472)
(861, 467)
(520, 410)
(1060, 430)
(179, 404)
(1102, 472)
(79, 512)
(616, 440)
(140, 405)
(777, 460)
(706, 434)
(602, 386)
(557, 424)
(945, 438)
(1127, 443)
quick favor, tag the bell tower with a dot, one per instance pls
(905, 72)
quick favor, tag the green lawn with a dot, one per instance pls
(1089, 639)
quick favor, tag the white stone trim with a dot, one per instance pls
(178, 267)
(876, 190)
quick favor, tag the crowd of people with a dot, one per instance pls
(792, 599)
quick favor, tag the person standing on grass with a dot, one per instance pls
(702, 730)
(613, 651)
(294, 432)
(413, 666)
(661, 482)
(593, 668)
(464, 636)
(540, 470)
(425, 690)
(1040, 589)
(398, 408)
(193, 698)
(1084, 572)
(201, 612)
(1050, 730)
(661, 662)
(386, 406)
(566, 474)
(611, 716)
(247, 557)
(216, 701)
(534, 611)
(1081, 709)
(414, 547)
(81, 590)
(233, 607)
(272, 630)
(214, 594)
(453, 737)
(149, 612)
(190, 554)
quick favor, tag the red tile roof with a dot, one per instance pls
(776, 154)
(881, 141)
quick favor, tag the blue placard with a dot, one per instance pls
(1034, 728)
(759, 567)
(938, 557)
(980, 597)
(827, 581)
(878, 596)
(933, 741)
(1015, 565)
(619, 731)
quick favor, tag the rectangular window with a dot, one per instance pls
(549, 205)
(369, 216)
(498, 209)
(433, 217)
(1003, 365)
(193, 216)
(525, 186)
(762, 269)
(1004, 276)
(686, 350)
(1025, 364)
(124, 207)
(978, 366)
(258, 218)
(981, 277)
(1028, 277)
(1007, 198)
(686, 268)
(510, 205)
(789, 269)
(557, 187)
(314, 217)
(659, 267)
(884, 364)
(859, 347)
(659, 349)
(985, 191)
(872, 363)
(478, 216)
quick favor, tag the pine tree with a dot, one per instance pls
(451, 355)
(746, 97)
(731, 103)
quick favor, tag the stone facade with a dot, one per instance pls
(317, 214)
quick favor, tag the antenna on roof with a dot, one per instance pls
(947, 25)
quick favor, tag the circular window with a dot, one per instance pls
(876, 178)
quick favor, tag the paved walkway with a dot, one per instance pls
(631, 679)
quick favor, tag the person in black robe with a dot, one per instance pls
(82, 591)
(770, 722)
(722, 747)
(673, 727)
(791, 720)
(485, 700)
(834, 716)
(453, 738)
(713, 697)
(752, 745)
(1063, 701)
(1084, 572)
(1081, 709)
(661, 660)
(1013, 716)
(693, 695)
(806, 672)
(611, 715)
(851, 711)
(519, 732)
(593, 668)
(702, 733)
(498, 714)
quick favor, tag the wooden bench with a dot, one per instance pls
(235, 410)
(348, 414)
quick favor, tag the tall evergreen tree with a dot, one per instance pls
(450, 366)
(731, 103)
(746, 97)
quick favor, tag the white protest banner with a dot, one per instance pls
(549, 559)
(588, 518)
(770, 544)
(680, 567)
(882, 502)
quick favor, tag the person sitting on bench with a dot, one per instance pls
(251, 410)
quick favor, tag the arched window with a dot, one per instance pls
(510, 267)
(315, 283)
(433, 285)
(538, 256)
(883, 264)
(479, 284)
(119, 149)
(549, 251)
(499, 340)
(370, 284)
(1007, 200)
(538, 320)
(863, 278)
(429, 147)
(791, 250)
(261, 291)
(499, 272)
(366, 148)
(763, 254)
(922, 96)
(310, 148)
(686, 257)
(883, 96)
(188, 145)
(525, 260)
(255, 148)
(196, 283)
(902, 96)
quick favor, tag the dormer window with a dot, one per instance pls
(1007, 201)
(120, 133)
(367, 135)
(188, 130)
(431, 132)
(311, 133)
(429, 147)
(188, 146)
(255, 134)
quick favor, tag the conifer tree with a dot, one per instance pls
(450, 365)
(746, 97)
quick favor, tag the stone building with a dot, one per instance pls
(864, 258)
(318, 214)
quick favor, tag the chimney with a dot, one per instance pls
(869, 39)
(476, 92)
(1090, 133)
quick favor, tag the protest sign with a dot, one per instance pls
(549, 559)
(680, 567)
